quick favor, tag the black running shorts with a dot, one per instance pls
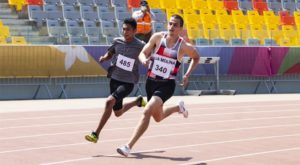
(119, 90)
(161, 88)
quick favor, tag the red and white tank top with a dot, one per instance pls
(164, 61)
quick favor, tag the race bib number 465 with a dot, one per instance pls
(125, 63)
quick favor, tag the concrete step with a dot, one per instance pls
(6, 11)
(13, 21)
(37, 39)
(25, 33)
(20, 28)
(10, 16)
(4, 4)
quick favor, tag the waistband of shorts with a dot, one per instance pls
(160, 80)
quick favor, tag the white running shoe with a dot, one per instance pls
(124, 150)
(182, 110)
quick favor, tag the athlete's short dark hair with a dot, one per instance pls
(176, 16)
(131, 22)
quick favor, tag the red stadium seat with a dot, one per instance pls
(231, 5)
(35, 2)
(286, 18)
(133, 3)
(260, 6)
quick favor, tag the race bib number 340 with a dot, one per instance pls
(125, 63)
(163, 66)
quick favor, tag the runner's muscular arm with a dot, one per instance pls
(146, 52)
(108, 55)
(192, 52)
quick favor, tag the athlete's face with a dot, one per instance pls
(128, 32)
(174, 26)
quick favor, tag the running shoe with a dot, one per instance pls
(124, 150)
(141, 101)
(92, 137)
(182, 110)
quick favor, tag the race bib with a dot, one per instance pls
(125, 63)
(163, 66)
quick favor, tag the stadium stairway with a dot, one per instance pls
(20, 26)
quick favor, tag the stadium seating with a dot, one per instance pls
(3, 40)
(274, 5)
(236, 42)
(235, 22)
(102, 3)
(4, 31)
(133, 3)
(119, 3)
(18, 40)
(245, 5)
(52, 2)
(86, 3)
(270, 42)
(168, 4)
(231, 5)
(202, 42)
(218, 42)
(183, 4)
(17, 4)
(93, 40)
(199, 4)
(260, 6)
(154, 4)
(35, 2)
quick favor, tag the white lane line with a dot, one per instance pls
(180, 147)
(151, 137)
(134, 119)
(49, 117)
(138, 111)
(155, 126)
(242, 155)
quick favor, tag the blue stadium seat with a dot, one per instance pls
(121, 13)
(38, 17)
(107, 16)
(55, 30)
(102, 3)
(122, 16)
(52, 2)
(74, 28)
(55, 15)
(68, 8)
(77, 40)
(91, 29)
(218, 41)
(93, 40)
(50, 7)
(253, 42)
(288, 5)
(101, 9)
(202, 41)
(69, 2)
(270, 42)
(119, 3)
(159, 17)
(86, 2)
(245, 5)
(298, 5)
(158, 26)
(274, 5)
(85, 8)
(72, 15)
(90, 16)
(236, 42)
